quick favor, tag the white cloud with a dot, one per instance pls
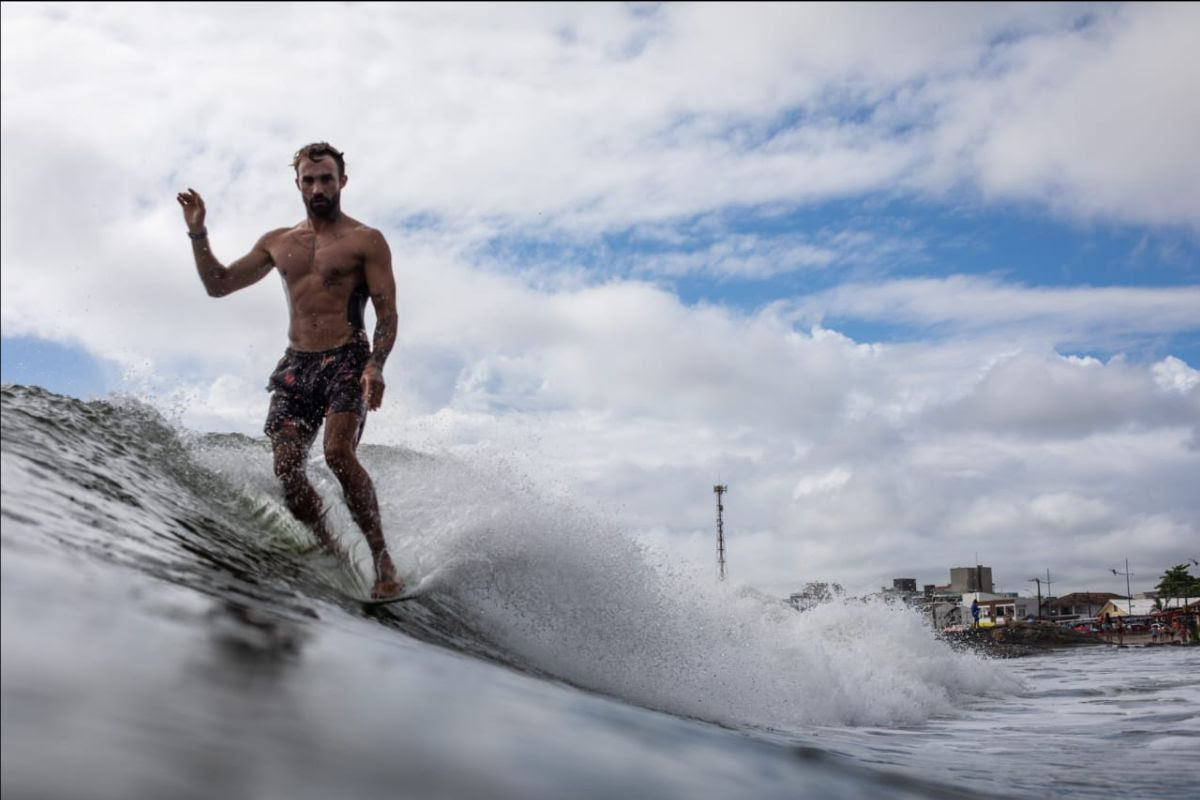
(1064, 397)
(604, 116)
(1068, 510)
(1171, 374)
(971, 305)
(829, 481)
(1099, 123)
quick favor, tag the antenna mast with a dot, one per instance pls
(719, 490)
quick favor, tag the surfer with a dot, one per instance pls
(330, 264)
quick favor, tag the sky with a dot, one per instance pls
(919, 283)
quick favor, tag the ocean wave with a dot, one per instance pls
(518, 580)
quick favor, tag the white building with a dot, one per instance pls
(1138, 607)
(998, 609)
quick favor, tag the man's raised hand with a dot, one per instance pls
(193, 209)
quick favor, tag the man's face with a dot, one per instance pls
(320, 186)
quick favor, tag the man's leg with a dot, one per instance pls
(291, 451)
(341, 440)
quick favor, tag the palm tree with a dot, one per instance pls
(1178, 582)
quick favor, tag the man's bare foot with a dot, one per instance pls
(390, 587)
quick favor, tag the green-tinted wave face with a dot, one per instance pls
(114, 483)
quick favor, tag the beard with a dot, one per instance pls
(323, 207)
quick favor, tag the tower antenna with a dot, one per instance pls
(720, 490)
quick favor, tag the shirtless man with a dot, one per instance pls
(330, 264)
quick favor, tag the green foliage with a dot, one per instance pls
(1178, 582)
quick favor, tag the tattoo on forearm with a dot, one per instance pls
(385, 338)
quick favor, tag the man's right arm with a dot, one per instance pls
(218, 279)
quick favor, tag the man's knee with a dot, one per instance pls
(340, 458)
(288, 466)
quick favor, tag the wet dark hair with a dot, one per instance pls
(318, 150)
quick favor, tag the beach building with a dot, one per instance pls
(1080, 605)
(963, 580)
(971, 579)
(1140, 607)
(904, 589)
(1000, 609)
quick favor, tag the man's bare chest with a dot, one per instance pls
(330, 259)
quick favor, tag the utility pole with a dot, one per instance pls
(720, 490)
(1128, 593)
(1050, 596)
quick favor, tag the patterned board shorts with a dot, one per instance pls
(305, 387)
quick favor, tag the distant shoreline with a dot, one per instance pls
(1014, 641)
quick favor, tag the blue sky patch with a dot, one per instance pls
(59, 368)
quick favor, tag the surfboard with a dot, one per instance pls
(412, 592)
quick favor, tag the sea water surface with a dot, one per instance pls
(167, 632)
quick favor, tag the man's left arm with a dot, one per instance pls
(381, 283)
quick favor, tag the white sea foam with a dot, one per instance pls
(578, 598)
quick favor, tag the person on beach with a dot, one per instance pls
(330, 264)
